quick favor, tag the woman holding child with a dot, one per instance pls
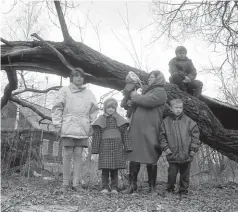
(144, 129)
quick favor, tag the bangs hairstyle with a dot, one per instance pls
(77, 71)
(175, 102)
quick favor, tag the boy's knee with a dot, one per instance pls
(197, 84)
(176, 78)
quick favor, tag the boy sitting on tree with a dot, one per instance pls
(183, 73)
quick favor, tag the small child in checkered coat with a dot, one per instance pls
(110, 141)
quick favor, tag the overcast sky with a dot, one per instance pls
(114, 38)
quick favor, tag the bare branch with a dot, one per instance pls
(54, 50)
(55, 88)
(28, 105)
(67, 38)
(11, 86)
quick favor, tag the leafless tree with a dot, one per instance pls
(62, 57)
(213, 21)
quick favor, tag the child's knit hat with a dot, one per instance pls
(180, 49)
(110, 102)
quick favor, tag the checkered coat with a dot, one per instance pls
(113, 148)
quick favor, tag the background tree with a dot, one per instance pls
(216, 23)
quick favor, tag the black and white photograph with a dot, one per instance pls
(119, 106)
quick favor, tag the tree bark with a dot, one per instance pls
(103, 71)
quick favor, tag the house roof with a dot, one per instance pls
(34, 118)
(29, 115)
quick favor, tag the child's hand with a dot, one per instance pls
(129, 102)
(187, 79)
(192, 153)
(168, 152)
(133, 93)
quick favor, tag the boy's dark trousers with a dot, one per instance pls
(184, 170)
(114, 178)
(194, 87)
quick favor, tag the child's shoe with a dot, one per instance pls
(183, 194)
(114, 191)
(105, 191)
(77, 188)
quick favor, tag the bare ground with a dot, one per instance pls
(37, 194)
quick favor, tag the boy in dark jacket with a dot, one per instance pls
(183, 73)
(179, 139)
(110, 141)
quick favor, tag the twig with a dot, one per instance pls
(55, 88)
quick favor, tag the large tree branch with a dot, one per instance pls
(67, 38)
(56, 52)
(11, 86)
(106, 72)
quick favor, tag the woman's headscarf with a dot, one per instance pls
(159, 81)
(159, 78)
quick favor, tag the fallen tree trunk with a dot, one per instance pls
(103, 71)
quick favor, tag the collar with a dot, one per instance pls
(113, 115)
(181, 59)
(174, 117)
(74, 89)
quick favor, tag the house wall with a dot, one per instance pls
(8, 118)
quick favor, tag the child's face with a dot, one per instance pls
(78, 80)
(177, 109)
(181, 55)
(151, 79)
(110, 110)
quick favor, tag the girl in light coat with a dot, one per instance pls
(74, 110)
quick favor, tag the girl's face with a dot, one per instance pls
(110, 110)
(151, 79)
(78, 80)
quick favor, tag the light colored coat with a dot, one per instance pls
(74, 111)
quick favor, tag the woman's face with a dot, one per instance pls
(78, 80)
(151, 79)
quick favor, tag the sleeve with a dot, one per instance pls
(151, 100)
(96, 139)
(192, 71)
(58, 108)
(125, 137)
(173, 68)
(94, 110)
(194, 132)
(163, 138)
